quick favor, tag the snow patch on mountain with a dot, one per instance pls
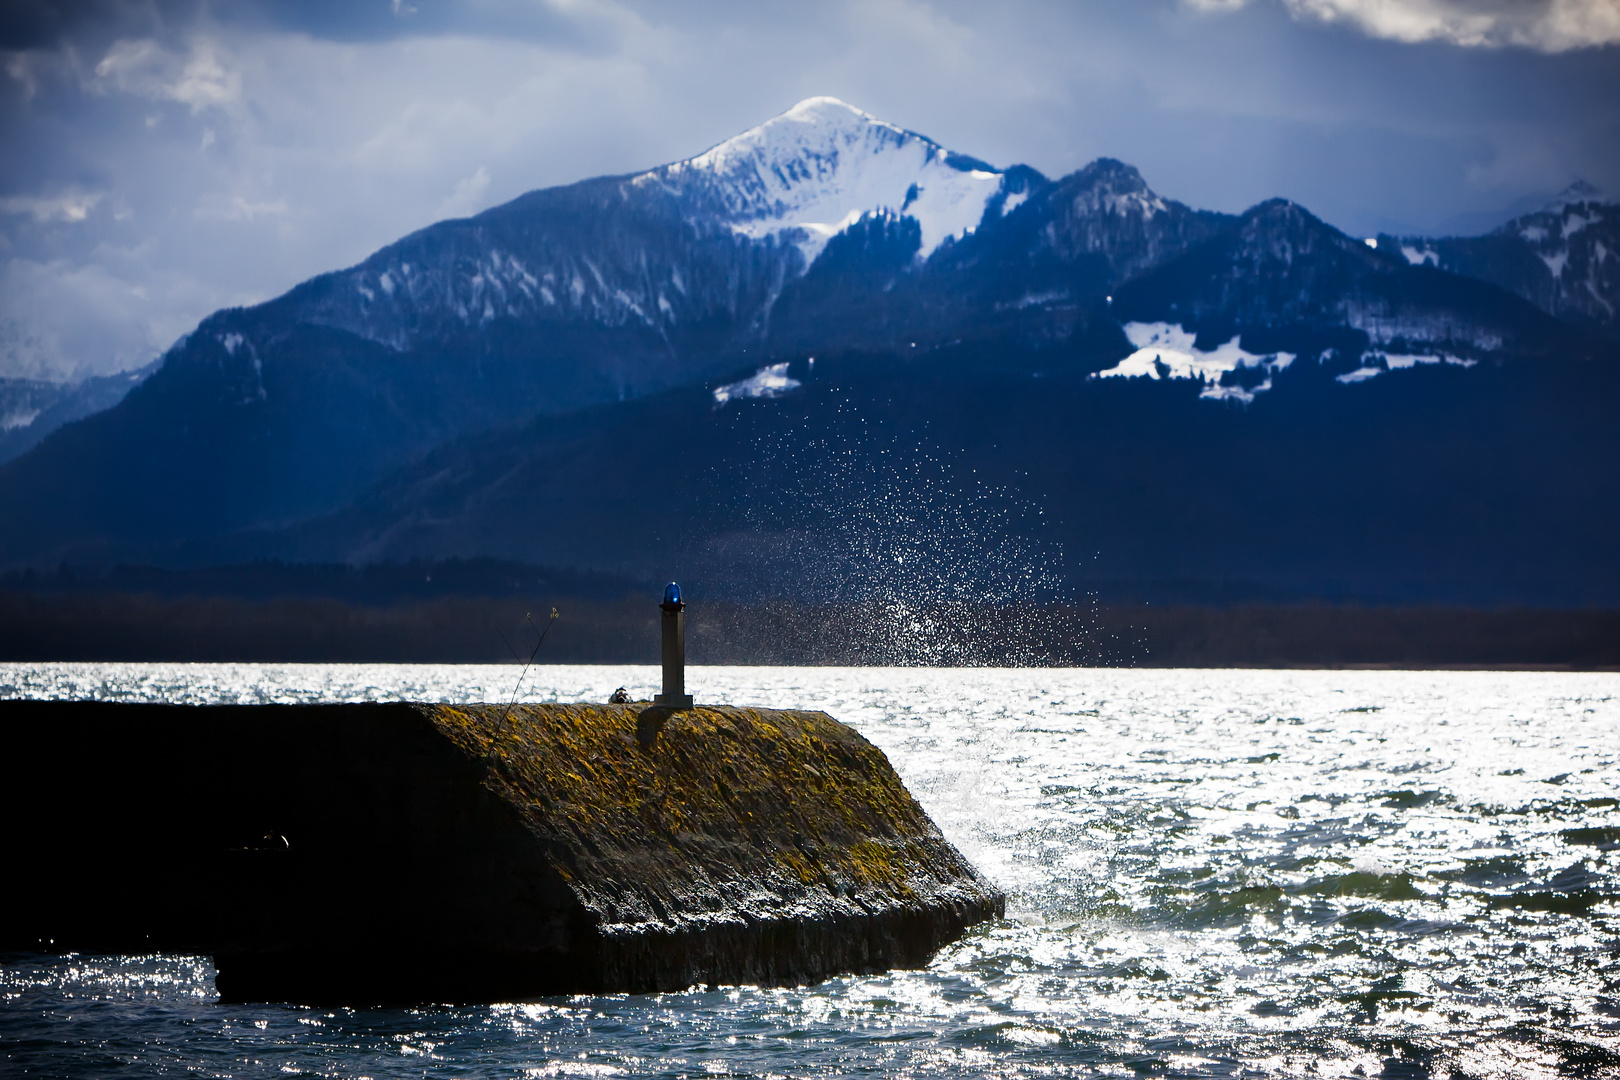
(18, 418)
(813, 171)
(1035, 299)
(1384, 327)
(1168, 347)
(1574, 223)
(1399, 361)
(1144, 204)
(767, 382)
(1374, 364)
(1591, 287)
(498, 284)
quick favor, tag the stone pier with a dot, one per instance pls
(375, 853)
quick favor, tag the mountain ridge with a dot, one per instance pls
(1564, 258)
(823, 234)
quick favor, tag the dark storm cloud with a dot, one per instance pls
(48, 22)
(161, 159)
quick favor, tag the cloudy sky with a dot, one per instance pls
(159, 160)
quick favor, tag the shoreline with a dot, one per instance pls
(115, 627)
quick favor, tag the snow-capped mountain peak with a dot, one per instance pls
(815, 125)
(813, 171)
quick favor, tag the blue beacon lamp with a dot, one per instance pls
(674, 638)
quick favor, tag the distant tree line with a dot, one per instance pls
(42, 625)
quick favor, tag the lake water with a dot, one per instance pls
(1210, 873)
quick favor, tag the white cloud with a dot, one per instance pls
(1547, 25)
(239, 208)
(198, 78)
(60, 320)
(20, 66)
(469, 195)
(69, 206)
(321, 152)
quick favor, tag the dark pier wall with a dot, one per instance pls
(397, 852)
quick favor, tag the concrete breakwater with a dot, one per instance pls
(408, 852)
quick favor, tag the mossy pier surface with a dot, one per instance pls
(409, 852)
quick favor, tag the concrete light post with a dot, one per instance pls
(674, 635)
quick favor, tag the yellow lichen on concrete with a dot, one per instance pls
(647, 805)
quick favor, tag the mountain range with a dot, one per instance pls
(830, 357)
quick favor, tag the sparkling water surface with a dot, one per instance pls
(1210, 873)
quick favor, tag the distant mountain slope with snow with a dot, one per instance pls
(1565, 258)
(824, 232)
(1282, 283)
(691, 255)
(599, 291)
(31, 410)
(1040, 267)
